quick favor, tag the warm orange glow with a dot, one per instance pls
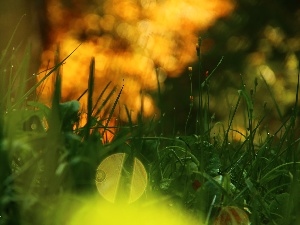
(129, 40)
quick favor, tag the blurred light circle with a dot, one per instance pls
(268, 74)
(109, 175)
(138, 181)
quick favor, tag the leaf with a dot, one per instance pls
(165, 184)
(43, 109)
(69, 114)
(69, 108)
(213, 165)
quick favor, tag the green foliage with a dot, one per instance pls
(45, 155)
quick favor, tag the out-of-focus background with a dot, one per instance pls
(257, 39)
(32, 25)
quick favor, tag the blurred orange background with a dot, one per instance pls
(135, 43)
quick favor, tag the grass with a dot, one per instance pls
(48, 162)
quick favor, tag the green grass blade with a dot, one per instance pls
(91, 82)
(100, 97)
(273, 99)
(113, 109)
(33, 88)
(3, 55)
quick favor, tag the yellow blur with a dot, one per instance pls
(96, 212)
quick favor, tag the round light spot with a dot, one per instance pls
(111, 173)
(268, 74)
